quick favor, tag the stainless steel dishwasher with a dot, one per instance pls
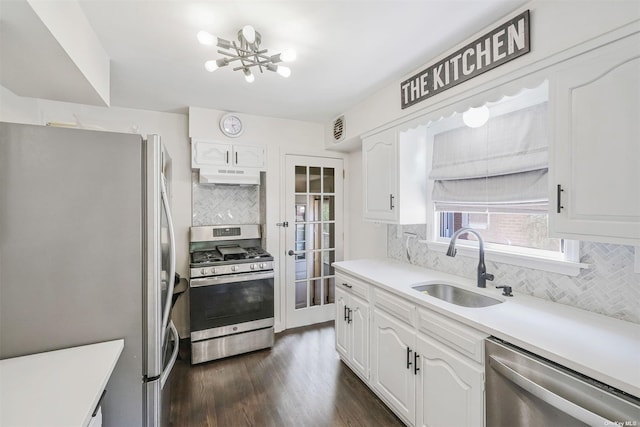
(523, 389)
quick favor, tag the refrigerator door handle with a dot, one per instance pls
(172, 259)
(174, 355)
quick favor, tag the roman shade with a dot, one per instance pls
(499, 167)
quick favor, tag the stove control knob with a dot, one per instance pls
(203, 271)
(234, 268)
(214, 271)
(253, 266)
(262, 265)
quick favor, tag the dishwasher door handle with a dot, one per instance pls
(547, 396)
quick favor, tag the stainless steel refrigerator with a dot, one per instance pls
(87, 254)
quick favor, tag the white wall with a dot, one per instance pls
(171, 127)
(281, 137)
(556, 26)
(366, 239)
(559, 30)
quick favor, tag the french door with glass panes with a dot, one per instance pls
(314, 237)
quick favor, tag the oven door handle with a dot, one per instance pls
(229, 278)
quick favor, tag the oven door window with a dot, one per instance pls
(231, 303)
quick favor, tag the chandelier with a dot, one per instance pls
(247, 52)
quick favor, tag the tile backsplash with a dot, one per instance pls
(610, 286)
(226, 204)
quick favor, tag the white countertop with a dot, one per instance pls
(56, 388)
(598, 346)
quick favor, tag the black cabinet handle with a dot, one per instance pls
(346, 316)
(227, 157)
(97, 408)
(391, 206)
(409, 351)
(415, 363)
(236, 157)
(349, 320)
(559, 199)
(347, 285)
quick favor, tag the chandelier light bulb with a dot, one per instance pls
(288, 55)
(284, 71)
(247, 51)
(211, 65)
(248, 76)
(476, 117)
(249, 34)
(206, 39)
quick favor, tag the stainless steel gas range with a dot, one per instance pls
(231, 296)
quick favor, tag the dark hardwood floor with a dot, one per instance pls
(299, 382)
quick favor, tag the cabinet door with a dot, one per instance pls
(595, 150)
(342, 328)
(391, 375)
(450, 389)
(380, 176)
(249, 156)
(360, 336)
(210, 154)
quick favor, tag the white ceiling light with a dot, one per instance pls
(211, 66)
(476, 117)
(247, 51)
(206, 38)
(283, 71)
(248, 76)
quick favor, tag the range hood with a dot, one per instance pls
(229, 176)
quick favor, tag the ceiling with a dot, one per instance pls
(346, 50)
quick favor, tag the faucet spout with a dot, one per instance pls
(483, 276)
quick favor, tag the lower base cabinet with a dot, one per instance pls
(352, 328)
(449, 389)
(392, 363)
(426, 367)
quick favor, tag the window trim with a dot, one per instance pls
(565, 263)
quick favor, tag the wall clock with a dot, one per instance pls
(231, 125)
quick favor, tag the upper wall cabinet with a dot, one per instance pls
(208, 153)
(595, 158)
(394, 177)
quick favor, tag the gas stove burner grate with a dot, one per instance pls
(206, 256)
(257, 252)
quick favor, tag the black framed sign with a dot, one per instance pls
(506, 42)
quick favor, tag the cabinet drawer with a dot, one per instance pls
(459, 337)
(352, 285)
(394, 305)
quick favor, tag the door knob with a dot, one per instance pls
(291, 252)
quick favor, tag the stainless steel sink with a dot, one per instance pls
(455, 295)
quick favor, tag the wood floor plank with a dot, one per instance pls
(299, 382)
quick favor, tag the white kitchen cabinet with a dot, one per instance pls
(427, 368)
(393, 375)
(352, 324)
(394, 177)
(450, 384)
(249, 156)
(449, 389)
(209, 153)
(594, 170)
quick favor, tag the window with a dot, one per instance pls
(522, 230)
(493, 178)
